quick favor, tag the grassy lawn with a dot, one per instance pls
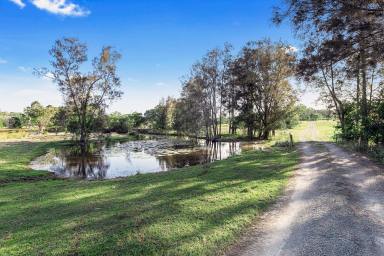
(15, 157)
(326, 130)
(191, 211)
(321, 130)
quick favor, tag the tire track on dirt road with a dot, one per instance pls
(334, 205)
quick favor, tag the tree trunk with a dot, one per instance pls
(250, 130)
(364, 105)
(357, 98)
(265, 134)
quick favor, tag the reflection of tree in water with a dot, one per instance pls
(83, 163)
(128, 157)
(211, 152)
(94, 161)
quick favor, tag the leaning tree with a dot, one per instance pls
(86, 94)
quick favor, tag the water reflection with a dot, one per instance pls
(103, 161)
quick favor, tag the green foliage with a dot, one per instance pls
(94, 123)
(310, 114)
(353, 129)
(251, 89)
(14, 122)
(343, 59)
(120, 123)
(11, 120)
(40, 116)
(60, 119)
(162, 116)
(86, 93)
(136, 119)
(3, 120)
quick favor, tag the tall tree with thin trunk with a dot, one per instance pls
(88, 94)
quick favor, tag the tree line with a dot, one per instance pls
(250, 90)
(61, 119)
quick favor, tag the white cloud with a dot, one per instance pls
(160, 84)
(19, 3)
(60, 7)
(291, 49)
(48, 77)
(3, 61)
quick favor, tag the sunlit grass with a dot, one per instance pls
(191, 211)
(7, 134)
(326, 129)
(320, 130)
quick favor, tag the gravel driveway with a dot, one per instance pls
(334, 205)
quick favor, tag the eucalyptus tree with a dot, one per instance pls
(40, 116)
(265, 96)
(87, 94)
(191, 110)
(252, 87)
(212, 76)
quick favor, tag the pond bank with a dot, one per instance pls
(195, 210)
(221, 138)
(108, 160)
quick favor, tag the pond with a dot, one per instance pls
(107, 161)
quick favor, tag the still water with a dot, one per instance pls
(107, 161)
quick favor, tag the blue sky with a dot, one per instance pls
(159, 41)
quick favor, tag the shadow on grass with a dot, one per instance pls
(193, 210)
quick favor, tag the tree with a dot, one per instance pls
(61, 118)
(156, 118)
(86, 94)
(343, 39)
(33, 112)
(191, 110)
(137, 119)
(14, 122)
(39, 115)
(211, 76)
(252, 88)
(170, 105)
(264, 94)
(119, 123)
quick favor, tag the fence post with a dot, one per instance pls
(290, 140)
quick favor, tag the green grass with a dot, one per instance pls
(191, 211)
(6, 134)
(321, 130)
(16, 156)
(326, 130)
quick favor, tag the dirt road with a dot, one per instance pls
(334, 205)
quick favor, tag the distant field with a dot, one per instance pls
(321, 130)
